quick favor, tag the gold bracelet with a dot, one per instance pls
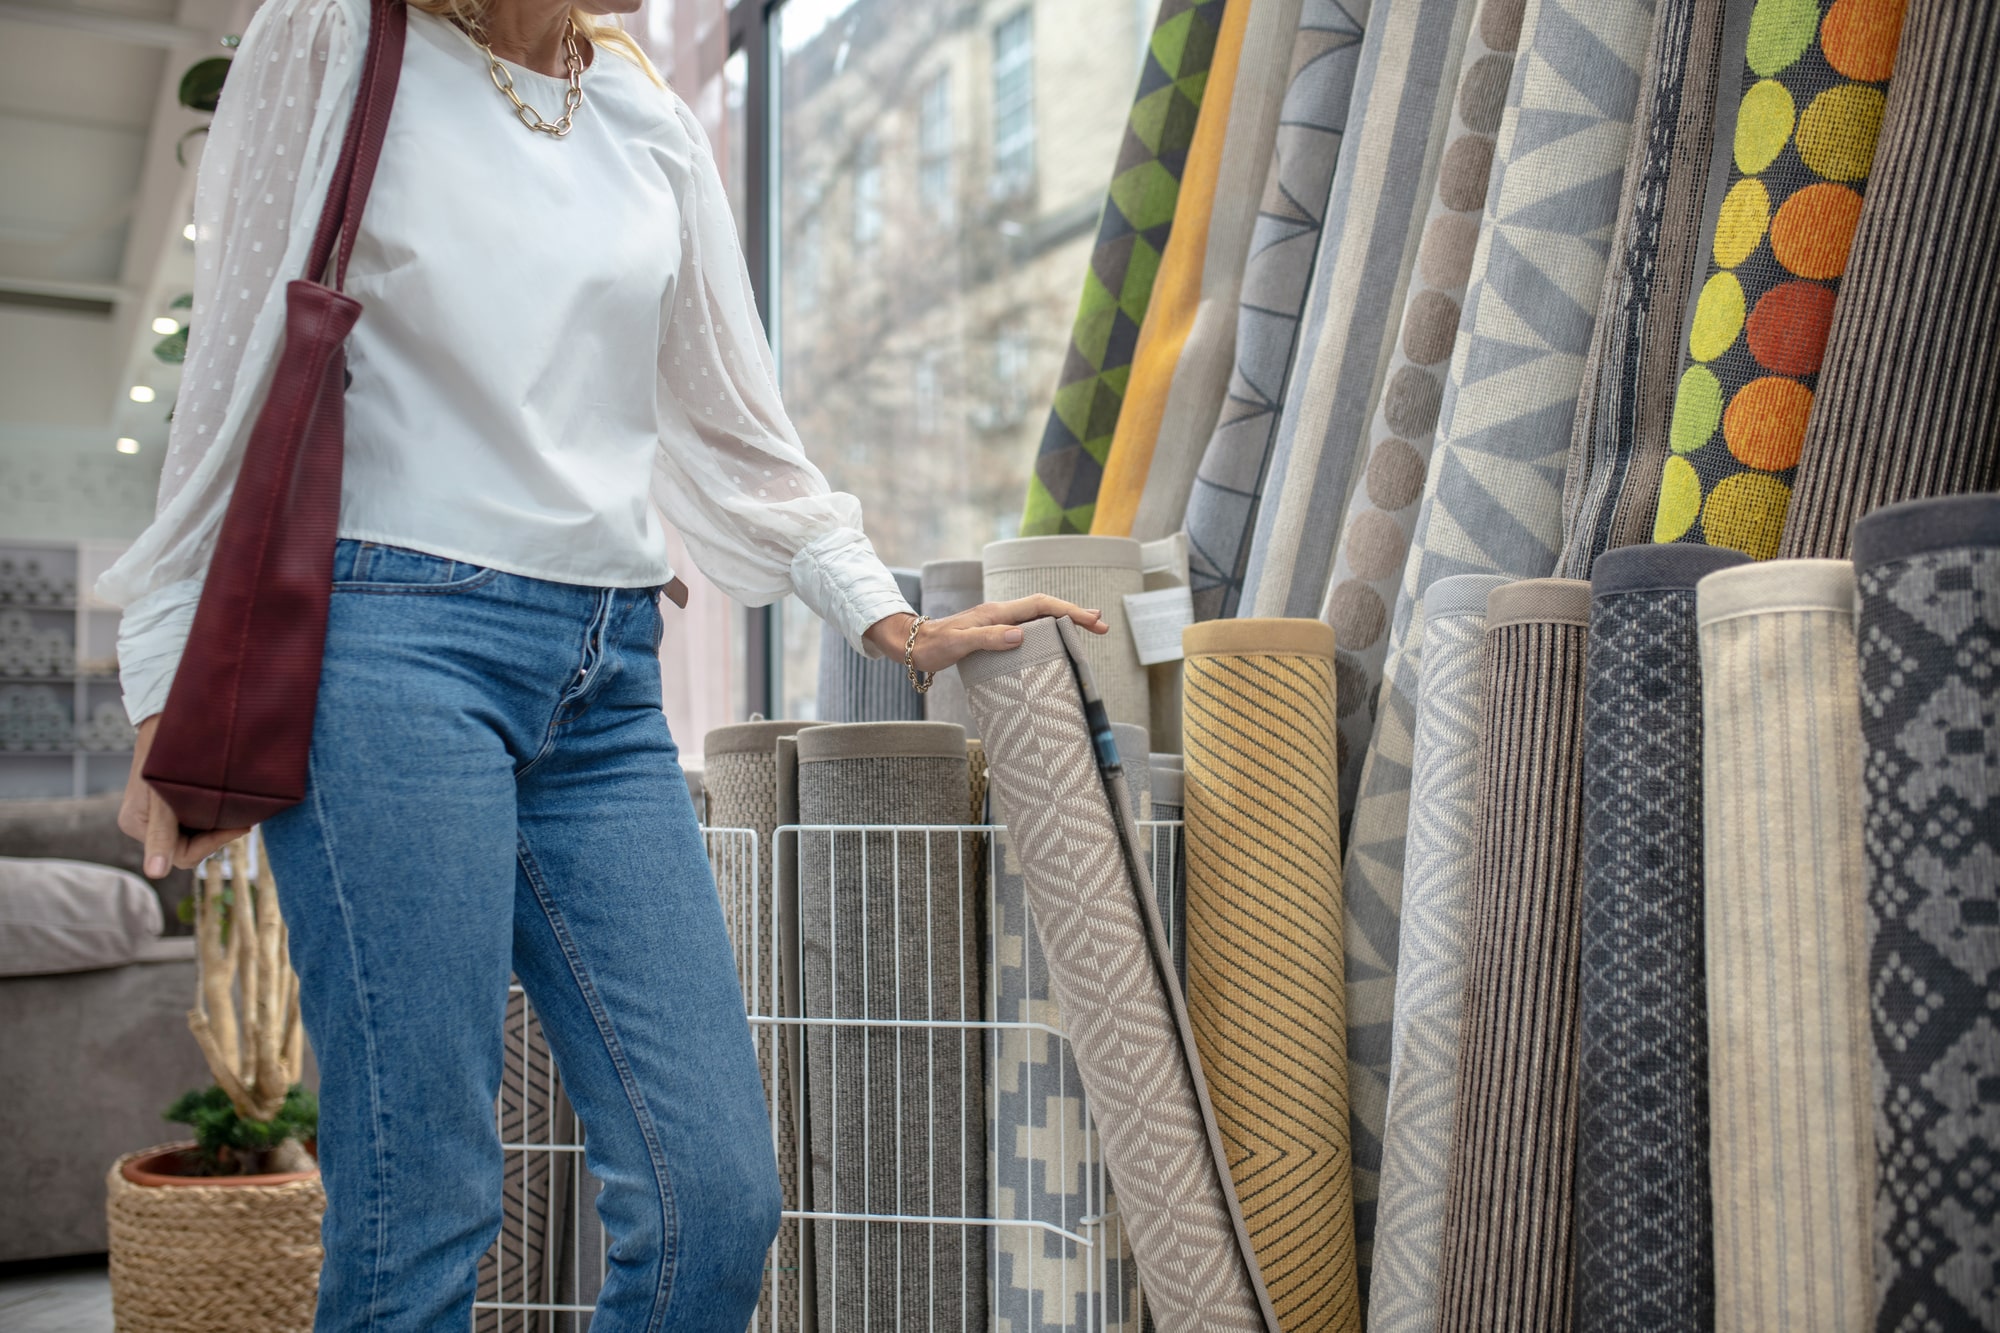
(923, 685)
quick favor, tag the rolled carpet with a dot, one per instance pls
(1619, 441)
(1264, 986)
(1493, 495)
(950, 586)
(1791, 1148)
(1132, 234)
(1044, 1155)
(791, 958)
(1430, 970)
(1277, 275)
(742, 786)
(1508, 1256)
(1090, 572)
(853, 688)
(1169, 863)
(1180, 367)
(890, 930)
(1803, 87)
(1164, 564)
(1928, 574)
(1644, 1257)
(1403, 91)
(1063, 794)
(1375, 534)
(1909, 394)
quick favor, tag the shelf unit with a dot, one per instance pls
(92, 628)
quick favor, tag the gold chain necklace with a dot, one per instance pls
(572, 96)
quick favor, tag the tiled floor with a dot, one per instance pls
(66, 1300)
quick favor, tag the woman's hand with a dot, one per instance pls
(146, 817)
(988, 627)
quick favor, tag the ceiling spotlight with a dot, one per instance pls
(189, 231)
(127, 445)
(166, 327)
(141, 394)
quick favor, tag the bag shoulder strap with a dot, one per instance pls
(361, 149)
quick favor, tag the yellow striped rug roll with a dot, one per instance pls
(1264, 950)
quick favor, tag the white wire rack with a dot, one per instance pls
(939, 1160)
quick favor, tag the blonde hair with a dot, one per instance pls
(598, 29)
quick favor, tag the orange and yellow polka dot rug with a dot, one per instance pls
(1814, 80)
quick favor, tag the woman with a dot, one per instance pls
(557, 328)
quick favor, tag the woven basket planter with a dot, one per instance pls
(199, 1255)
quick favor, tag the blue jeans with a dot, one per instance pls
(493, 790)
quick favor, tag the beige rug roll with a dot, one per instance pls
(1094, 573)
(1264, 988)
(1791, 1103)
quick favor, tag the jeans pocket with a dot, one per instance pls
(370, 567)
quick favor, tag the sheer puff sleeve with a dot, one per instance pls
(730, 474)
(264, 172)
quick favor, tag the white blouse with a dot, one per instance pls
(557, 335)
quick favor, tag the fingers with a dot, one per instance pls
(161, 833)
(189, 852)
(1041, 606)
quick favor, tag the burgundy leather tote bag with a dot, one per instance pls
(232, 742)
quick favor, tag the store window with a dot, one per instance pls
(1014, 103)
(919, 345)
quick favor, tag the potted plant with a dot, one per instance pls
(222, 1232)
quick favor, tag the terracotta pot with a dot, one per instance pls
(174, 1164)
(198, 1254)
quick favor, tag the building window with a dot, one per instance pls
(1014, 103)
(934, 148)
(867, 194)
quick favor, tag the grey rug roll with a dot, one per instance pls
(1928, 624)
(1042, 1151)
(1061, 789)
(853, 688)
(1908, 400)
(1644, 1258)
(950, 586)
(1791, 1150)
(1169, 847)
(1507, 1260)
(1619, 441)
(742, 789)
(1094, 573)
(1430, 970)
(890, 930)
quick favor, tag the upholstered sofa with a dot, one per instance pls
(93, 1019)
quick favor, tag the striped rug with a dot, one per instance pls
(1264, 950)
(1792, 1150)
(1619, 442)
(1909, 393)
(1509, 1248)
